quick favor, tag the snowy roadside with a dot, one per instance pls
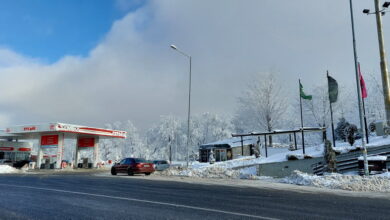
(241, 169)
(351, 182)
(9, 169)
(259, 184)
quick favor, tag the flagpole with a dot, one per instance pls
(359, 91)
(362, 85)
(331, 115)
(300, 102)
(365, 121)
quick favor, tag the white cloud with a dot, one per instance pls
(133, 74)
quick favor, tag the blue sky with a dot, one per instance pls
(48, 30)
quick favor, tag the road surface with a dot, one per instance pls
(98, 197)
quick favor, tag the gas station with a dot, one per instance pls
(52, 136)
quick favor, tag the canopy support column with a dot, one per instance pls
(60, 150)
(39, 155)
(96, 157)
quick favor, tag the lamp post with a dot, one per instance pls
(385, 74)
(189, 102)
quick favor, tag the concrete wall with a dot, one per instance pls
(282, 169)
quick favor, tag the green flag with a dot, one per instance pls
(302, 93)
(333, 89)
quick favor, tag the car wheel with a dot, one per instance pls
(147, 174)
(130, 172)
(113, 171)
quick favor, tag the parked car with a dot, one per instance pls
(161, 165)
(133, 166)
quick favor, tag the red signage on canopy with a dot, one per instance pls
(6, 148)
(86, 142)
(24, 149)
(49, 140)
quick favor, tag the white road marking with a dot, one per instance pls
(144, 201)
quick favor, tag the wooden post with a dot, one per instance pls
(242, 147)
(265, 144)
(295, 141)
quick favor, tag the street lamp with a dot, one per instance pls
(189, 102)
(382, 12)
(384, 72)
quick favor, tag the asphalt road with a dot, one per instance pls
(92, 197)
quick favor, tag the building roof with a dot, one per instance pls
(304, 129)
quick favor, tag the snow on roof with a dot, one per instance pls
(277, 131)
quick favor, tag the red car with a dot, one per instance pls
(132, 166)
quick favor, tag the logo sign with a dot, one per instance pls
(6, 148)
(86, 142)
(49, 141)
(70, 128)
(31, 128)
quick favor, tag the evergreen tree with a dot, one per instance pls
(340, 129)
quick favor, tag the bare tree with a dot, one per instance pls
(319, 106)
(262, 106)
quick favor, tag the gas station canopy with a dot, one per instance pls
(33, 131)
(53, 135)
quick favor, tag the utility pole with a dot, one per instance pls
(384, 71)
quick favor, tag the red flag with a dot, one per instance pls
(362, 83)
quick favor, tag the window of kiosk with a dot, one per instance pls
(223, 155)
(217, 155)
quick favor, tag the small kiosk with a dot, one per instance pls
(52, 136)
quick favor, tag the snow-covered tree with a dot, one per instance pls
(262, 106)
(209, 127)
(115, 149)
(374, 103)
(167, 134)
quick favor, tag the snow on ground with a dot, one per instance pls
(8, 169)
(375, 141)
(204, 172)
(241, 169)
(377, 183)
